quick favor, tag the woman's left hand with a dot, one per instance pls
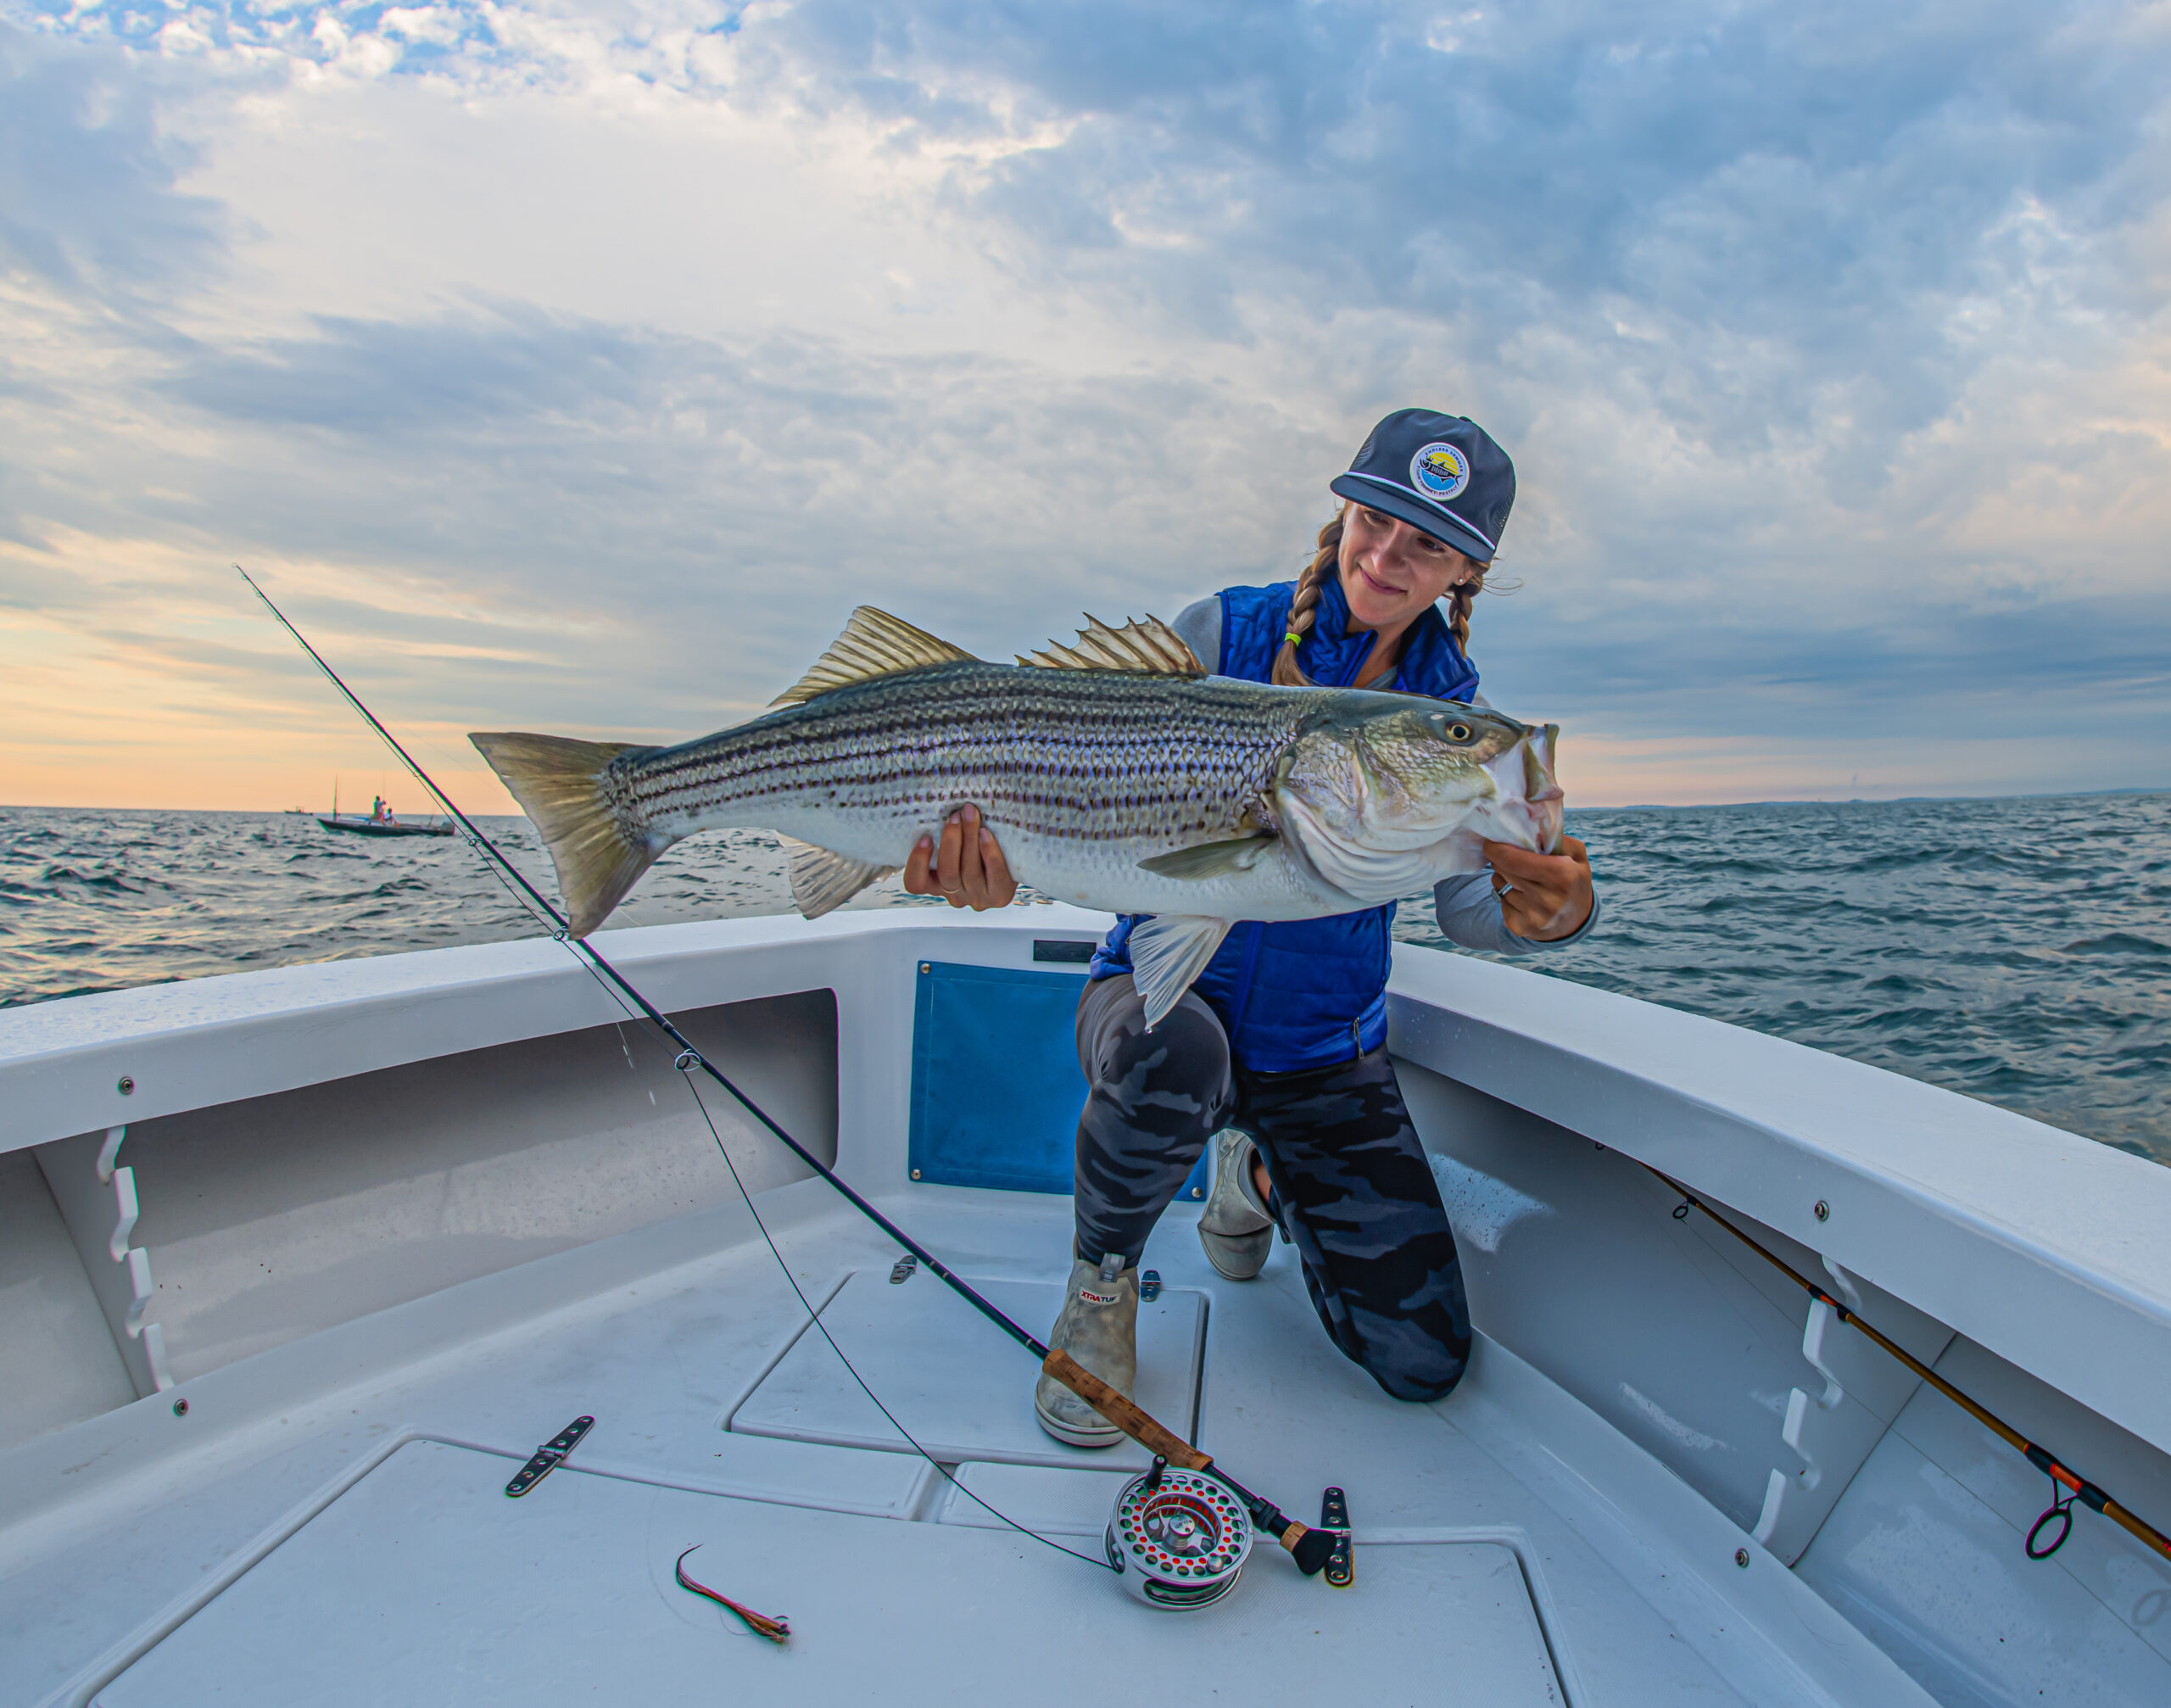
(1543, 897)
(965, 868)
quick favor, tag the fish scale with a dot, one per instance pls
(1041, 753)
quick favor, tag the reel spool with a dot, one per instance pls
(1178, 1538)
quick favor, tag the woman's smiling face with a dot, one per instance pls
(1391, 572)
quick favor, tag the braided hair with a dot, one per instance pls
(1304, 605)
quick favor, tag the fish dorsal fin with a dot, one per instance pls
(1149, 645)
(874, 644)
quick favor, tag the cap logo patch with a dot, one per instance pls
(1440, 470)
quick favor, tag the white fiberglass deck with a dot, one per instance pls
(305, 1503)
(417, 1586)
(434, 1606)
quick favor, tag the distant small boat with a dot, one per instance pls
(359, 826)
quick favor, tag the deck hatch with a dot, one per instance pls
(953, 1378)
(424, 1584)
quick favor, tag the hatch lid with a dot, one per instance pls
(952, 1378)
(423, 1583)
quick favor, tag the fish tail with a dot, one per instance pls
(562, 785)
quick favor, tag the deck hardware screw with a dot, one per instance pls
(1198, 1192)
(127, 1087)
(925, 967)
(180, 1408)
(1741, 1558)
(915, 1173)
(1823, 1211)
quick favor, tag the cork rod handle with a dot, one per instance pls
(1140, 1427)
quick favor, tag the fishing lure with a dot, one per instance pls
(775, 1630)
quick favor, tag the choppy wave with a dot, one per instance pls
(2017, 950)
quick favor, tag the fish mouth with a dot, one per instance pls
(1530, 807)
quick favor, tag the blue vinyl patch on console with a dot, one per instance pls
(996, 1087)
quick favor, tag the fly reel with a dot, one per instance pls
(1178, 1538)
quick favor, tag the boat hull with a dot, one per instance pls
(363, 827)
(1697, 1489)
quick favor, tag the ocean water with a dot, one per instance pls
(2017, 950)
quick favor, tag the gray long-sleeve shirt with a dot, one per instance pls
(1469, 913)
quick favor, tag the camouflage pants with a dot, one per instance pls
(1351, 1187)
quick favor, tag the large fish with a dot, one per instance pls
(1116, 773)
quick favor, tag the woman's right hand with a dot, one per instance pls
(965, 868)
(1543, 897)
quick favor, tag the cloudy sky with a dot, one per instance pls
(578, 367)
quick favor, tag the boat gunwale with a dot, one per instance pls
(2037, 1244)
(1960, 1216)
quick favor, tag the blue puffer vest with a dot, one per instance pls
(1307, 993)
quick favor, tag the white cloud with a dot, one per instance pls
(1834, 357)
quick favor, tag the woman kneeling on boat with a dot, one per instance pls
(1278, 1052)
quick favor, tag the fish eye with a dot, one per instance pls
(1454, 732)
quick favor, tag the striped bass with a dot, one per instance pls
(1115, 773)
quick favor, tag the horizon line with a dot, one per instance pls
(1625, 806)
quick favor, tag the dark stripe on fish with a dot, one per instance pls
(1050, 752)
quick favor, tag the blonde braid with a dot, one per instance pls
(1304, 604)
(1458, 605)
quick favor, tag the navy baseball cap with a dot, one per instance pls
(1441, 474)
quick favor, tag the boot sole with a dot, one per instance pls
(1107, 1436)
(1238, 1257)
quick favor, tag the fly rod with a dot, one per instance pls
(2077, 1486)
(1310, 1548)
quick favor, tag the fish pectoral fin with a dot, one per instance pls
(559, 784)
(1167, 952)
(822, 879)
(1212, 859)
(1149, 645)
(874, 644)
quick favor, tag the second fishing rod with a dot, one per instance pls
(1311, 1548)
(2059, 1513)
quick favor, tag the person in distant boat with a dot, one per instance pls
(1277, 1055)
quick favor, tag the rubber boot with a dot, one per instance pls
(1235, 1227)
(1099, 1328)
